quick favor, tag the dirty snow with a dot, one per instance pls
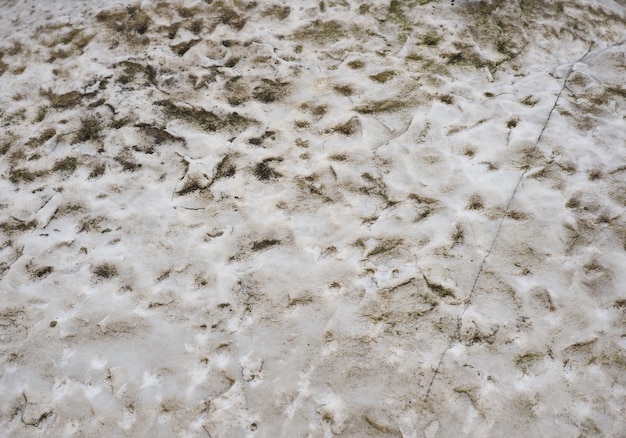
(299, 219)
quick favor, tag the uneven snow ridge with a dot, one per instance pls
(296, 219)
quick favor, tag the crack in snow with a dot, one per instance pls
(457, 333)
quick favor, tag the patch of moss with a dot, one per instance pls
(258, 141)
(41, 139)
(15, 117)
(238, 91)
(121, 122)
(516, 215)
(475, 203)
(14, 224)
(15, 49)
(348, 128)
(447, 99)
(469, 152)
(196, 26)
(105, 271)
(319, 110)
(20, 174)
(396, 12)
(364, 8)
(157, 135)
(170, 30)
(97, 103)
(487, 7)
(375, 186)
(87, 224)
(395, 8)
(525, 361)
(191, 185)
(302, 143)
(42, 272)
(264, 172)
(18, 70)
(560, 7)
(89, 130)
(439, 289)
(67, 165)
(225, 168)
(76, 37)
(63, 38)
(338, 157)
(97, 171)
(132, 21)
(599, 101)
(207, 120)
(5, 145)
(431, 39)
(185, 12)
(130, 71)
(322, 32)
(65, 100)
(414, 57)
(234, 120)
(203, 80)
(502, 46)
(385, 246)
(345, 90)
(264, 244)
(356, 64)
(380, 106)
(270, 91)
(618, 91)
(50, 27)
(276, 11)
(512, 123)
(229, 16)
(530, 100)
(232, 61)
(458, 237)
(127, 162)
(464, 58)
(60, 54)
(82, 40)
(181, 48)
(383, 77)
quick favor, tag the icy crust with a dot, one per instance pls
(240, 219)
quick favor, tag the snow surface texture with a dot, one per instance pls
(299, 219)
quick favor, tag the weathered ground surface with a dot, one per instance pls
(231, 218)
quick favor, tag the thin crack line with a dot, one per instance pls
(457, 332)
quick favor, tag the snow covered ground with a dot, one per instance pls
(236, 218)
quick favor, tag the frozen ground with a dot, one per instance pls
(301, 219)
